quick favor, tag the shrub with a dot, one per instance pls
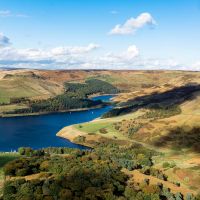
(9, 189)
(80, 139)
(23, 172)
(103, 130)
(9, 170)
(91, 133)
(44, 166)
(166, 165)
(130, 192)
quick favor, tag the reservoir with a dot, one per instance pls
(40, 131)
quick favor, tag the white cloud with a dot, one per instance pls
(4, 40)
(74, 50)
(8, 13)
(133, 24)
(125, 57)
(131, 52)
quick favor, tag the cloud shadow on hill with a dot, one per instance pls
(179, 138)
(175, 96)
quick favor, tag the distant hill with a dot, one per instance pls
(45, 84)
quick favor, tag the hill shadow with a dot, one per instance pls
(179, 138)
(175, 96)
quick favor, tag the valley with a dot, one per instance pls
(150, 137)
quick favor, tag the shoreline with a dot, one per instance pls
(61, 111)
(70, 133)
(47, 113)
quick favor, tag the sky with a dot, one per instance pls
(105, 34)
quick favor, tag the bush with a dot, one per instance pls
(23, 172)
(103, 130)
(166, 165)
(80, 139)
(169, 165)
(9, 170)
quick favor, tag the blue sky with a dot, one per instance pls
(75, 34)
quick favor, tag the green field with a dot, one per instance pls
(96, 126)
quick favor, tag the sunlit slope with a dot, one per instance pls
(27, 85)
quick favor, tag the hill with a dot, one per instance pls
(164, 118)
(45, 84)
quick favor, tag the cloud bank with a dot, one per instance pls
(78, 57)
(133, 24)
(82, 57)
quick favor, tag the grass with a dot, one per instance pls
(96, 126)
(184, 168)
(7, 157)
(17, 87)
(4, 159)
(7, 108)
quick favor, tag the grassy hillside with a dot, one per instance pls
(26, 85)
(165, 121)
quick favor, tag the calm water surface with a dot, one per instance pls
(40, 131)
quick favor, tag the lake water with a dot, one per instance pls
(40, 131)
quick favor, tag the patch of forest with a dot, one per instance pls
(74, 97)
(64, 173)
(91, 86)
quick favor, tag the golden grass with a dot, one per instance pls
(138, 177)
